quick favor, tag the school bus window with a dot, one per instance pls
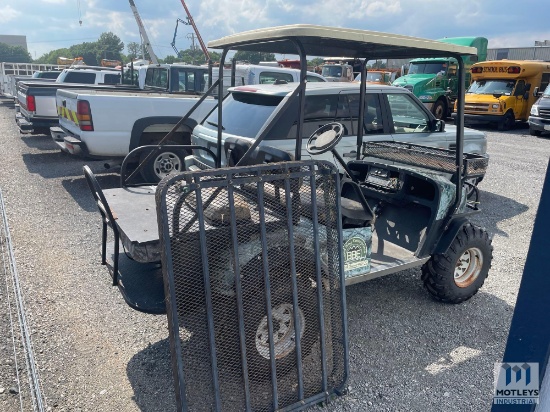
(504, 87)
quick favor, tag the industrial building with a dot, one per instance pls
(14, 40)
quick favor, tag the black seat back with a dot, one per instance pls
(99, 197)
(107, 220)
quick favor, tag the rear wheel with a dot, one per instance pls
(457, 274)
(507, 122)
(285, 329)
(163, 163)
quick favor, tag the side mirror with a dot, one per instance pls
(536, 92)
(438, 126)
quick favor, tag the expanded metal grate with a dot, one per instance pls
(431, 158)
(254, 286)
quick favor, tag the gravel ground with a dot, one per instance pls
(408, 352)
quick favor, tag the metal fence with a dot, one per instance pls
(254, 286)
(15, 328)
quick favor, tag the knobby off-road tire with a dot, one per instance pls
(457, 274)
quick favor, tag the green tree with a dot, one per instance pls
(134, 50)
(170, 59)
(315, 62)
(192, 56)
(254, 57)
(109, 46)
(88, 52)
(15, 54)
(51, 57)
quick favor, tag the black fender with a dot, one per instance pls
(141, 124)
(448, 236)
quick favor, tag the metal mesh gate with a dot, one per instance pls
(254, 286)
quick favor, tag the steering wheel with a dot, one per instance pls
(325, 138)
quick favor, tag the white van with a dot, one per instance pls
(246, 74)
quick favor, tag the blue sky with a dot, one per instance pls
(53, 24)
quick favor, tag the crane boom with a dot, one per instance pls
(143, 33)
(199, 38)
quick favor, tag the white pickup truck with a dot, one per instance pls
(37, 98)
(107, 124)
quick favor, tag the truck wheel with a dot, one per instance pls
(165, 162)
(282, 316)
(534, 132)
(507, 122)
(457, 274)
(439, 110)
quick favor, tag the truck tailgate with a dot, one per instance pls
(66, 104)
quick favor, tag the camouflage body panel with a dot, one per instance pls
(446, 188)
(357, 251)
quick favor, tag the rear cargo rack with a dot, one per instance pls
(432, 158)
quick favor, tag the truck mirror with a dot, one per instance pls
(536, 92)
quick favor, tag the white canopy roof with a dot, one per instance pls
(337, 41)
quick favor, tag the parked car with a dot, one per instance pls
(539, 120)
(391, 113)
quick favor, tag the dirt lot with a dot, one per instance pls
(408, 352)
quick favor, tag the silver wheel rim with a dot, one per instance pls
(166, 163)
(468, 267)
(284, 336)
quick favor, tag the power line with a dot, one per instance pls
(60, 41)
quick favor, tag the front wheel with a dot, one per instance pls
(440, 110)
(534, 132)
(457, 274)
(507, 122)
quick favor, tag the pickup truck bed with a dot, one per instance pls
(42, 95)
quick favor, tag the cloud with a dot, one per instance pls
(8, 13)
(54, 1)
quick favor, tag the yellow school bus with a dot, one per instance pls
(503, 91)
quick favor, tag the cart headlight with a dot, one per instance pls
(535, 110)
(496, 106)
